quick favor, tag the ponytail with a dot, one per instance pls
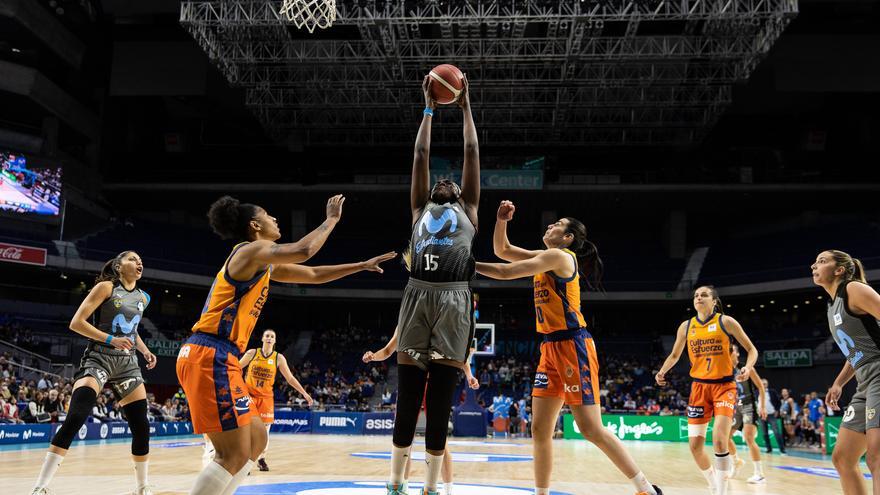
(853, 270)
(859, 271)
(406, 257)
(110, 270)
(589, 262)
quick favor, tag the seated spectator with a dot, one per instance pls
(35, 411)
(169, 411)
(52, 405)
(100, 413)
(9, 412)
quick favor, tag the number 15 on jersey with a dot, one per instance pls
(431, 262)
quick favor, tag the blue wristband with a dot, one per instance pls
(108, 339)
(429, 112)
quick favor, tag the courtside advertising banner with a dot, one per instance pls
(288, 421)
(657, 428)
(338, 423)
(378, 423)
(26, 255)
(10, 434)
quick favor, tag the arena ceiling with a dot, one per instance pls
(562, 73)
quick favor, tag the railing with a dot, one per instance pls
(14, 349)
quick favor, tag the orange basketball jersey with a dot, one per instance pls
(558, 301)
(261, 373)
(708, 346)
(232, 307)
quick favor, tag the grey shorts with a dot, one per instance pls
(861, 414)
(436, 321)
(120, 371)
(744, 415)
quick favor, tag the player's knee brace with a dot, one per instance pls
(81, 402)
(136, 414)
(442, 381)
(410, 391)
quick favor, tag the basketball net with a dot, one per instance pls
(309, 13)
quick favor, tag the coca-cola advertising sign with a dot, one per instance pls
(13, 253)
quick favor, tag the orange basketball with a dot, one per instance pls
(446, 83)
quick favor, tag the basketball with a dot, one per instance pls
(447, 82)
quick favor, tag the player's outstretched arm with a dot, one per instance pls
(285, 372)
(470, 175)
(420, 189)
(385, 352)
(247, 358)
(500, 243)
(546, 261)
(300, 274)
(80, 323)
(269, 253)
(675, 355)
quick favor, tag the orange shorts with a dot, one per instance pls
(265, 405)
(569, 368)
(710, 399)
(209, 372)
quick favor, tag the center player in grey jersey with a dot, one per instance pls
(109, 359)
(750, 393)
(436, 314)
(854, 321)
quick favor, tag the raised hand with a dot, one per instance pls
(334, 207)
(464, 99)
(506, 210)
(426, 89)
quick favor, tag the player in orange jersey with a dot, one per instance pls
(208, 365)
(568, 372)
(262, 365)
(708, 337)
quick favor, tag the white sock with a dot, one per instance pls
(447, 488)
(542, 491)
(211, 481)
(140, 472)
(434, 462)
(759, 468)
(50, 466)
(722, 472)
(238, 478)
(641, 483)
(709, 474)
(399, 455)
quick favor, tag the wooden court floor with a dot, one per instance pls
(320, 465)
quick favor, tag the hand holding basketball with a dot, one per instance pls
(464, 99)
(426, 89)
(445, 84)
(506, 210)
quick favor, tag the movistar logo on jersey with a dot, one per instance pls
(121, 325)
(433, 226)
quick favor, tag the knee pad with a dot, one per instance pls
(410, 392)
(81, 402)
(442, 380)
(136, 414)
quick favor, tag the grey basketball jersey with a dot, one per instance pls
(857, 336)
(121, 314)
(442, 240)
(745, 392)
